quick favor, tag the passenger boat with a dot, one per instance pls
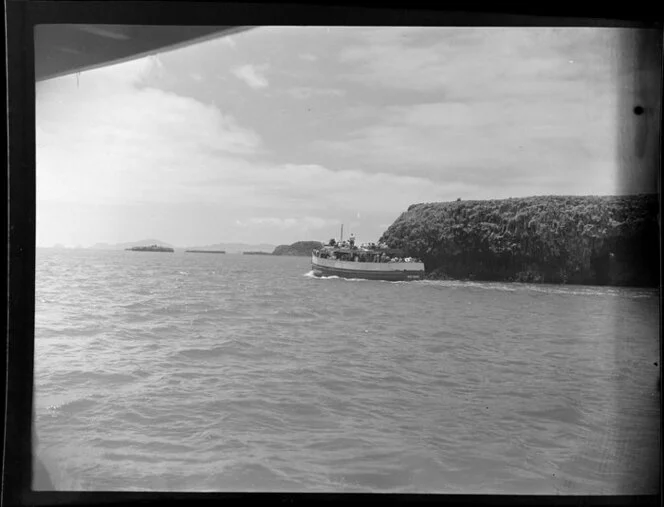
(369, 262)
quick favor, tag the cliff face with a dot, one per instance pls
(549, 239)
(300, 248)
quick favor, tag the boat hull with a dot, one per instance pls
(393, 272)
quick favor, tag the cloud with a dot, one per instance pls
(427, 115)
(496, 107)
(467, 64)
(251, 75)
(291, 222)
(308, 57)
(142, 148)
(306, 92)
(229, 41)
(131, 143)
(492, 144)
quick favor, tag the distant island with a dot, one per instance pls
(151, 248)
(256, 253)
(206, 251)
(589, 240)
(233, 248)
(299, 248)
(130, 245)
(216, 248)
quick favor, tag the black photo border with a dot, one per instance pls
(23, 15)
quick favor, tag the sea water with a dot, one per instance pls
(186, 372)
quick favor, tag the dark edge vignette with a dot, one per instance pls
(639, 125)
(215, 12)
(22, 16)
(21, 256)
(5, 258)
(5, 252)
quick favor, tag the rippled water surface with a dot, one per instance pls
(226, 372)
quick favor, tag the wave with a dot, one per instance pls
(240, 396)
(596, 291)
(566, 290)
(72, 406)
(232, 348)
(194, 353)
(46, 300)
(510, 287)
(465, 284)
(86, 377)
(139, 305)
(297, 313)
(257, 475)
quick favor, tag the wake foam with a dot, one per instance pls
(310, 274)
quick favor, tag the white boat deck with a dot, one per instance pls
(368, 266)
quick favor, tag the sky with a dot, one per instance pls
(281, 134)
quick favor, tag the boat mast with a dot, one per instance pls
(342, 233)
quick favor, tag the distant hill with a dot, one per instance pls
(122, 246)
(299, 248)
(232, 248)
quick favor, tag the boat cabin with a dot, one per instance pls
(349, 252)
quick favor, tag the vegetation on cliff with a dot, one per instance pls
(550, 239)
(300, 248)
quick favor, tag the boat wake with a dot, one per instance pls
(310, 274)
(567, 290)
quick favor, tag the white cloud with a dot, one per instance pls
(108, 141)
(229, 41)
(252, 75)
(291, 222)
(488, 149)
(467, 63)
(508, 109)
(129, 144)
(486, 133)
(308, 57)
(506, 130)
(306, 92)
